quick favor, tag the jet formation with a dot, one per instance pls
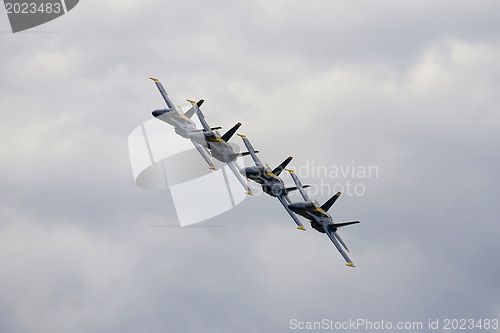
(211, 144)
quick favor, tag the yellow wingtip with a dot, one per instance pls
(301, 227)
(212, 167)
(241, 135)
(350, 264)
(190, 101)
(290, 170)
(249, 192)
(152, 78)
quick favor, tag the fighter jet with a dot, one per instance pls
(181, 121)
(218, 144)
(319, 218)
(271, 183)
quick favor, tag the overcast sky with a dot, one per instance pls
(411, 87)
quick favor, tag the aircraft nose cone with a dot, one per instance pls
(295, 206)
(248, 171)
(157, 113)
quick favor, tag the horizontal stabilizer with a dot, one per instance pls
(282, 166)
(326, 206)
(289, 189)
(338, 225)
(231, 132)
(216, 128)
(245, 153)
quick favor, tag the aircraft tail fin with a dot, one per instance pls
(326, 206)
(343, 224)
(231, 132)
(189, 113)
(282, 166)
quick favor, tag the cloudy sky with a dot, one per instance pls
(411, 87)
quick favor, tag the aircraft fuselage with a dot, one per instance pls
(271, 184)
(220, 149)
(182, 124)
(314, 213)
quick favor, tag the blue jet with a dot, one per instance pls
(182, 123)
(269, 180)
(319, 218)
(218, 145)
(207, 141)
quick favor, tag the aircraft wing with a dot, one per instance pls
(284, 202)
(340, 240)
(299, 185)
(163, 93)
(332, 235)
(203, 152)
(251, 150)
(234, 169)
(200, 116)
